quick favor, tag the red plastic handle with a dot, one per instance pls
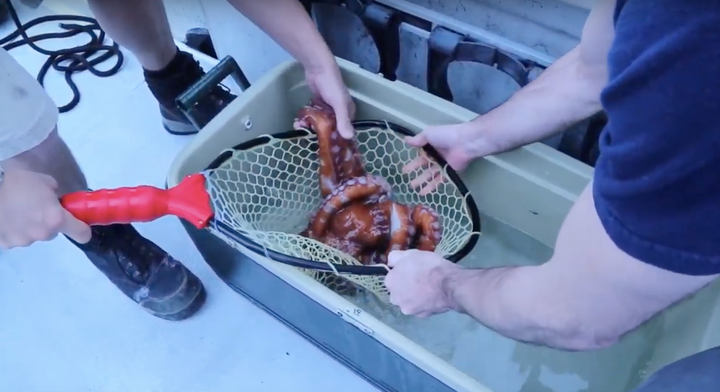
(188, 200)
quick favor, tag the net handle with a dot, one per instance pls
(188, 200)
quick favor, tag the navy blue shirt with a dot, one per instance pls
(657, 180)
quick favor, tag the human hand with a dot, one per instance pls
(458, 144)
(30, 211)
(326, 83)
(416, 282)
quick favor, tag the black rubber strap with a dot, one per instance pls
(442, 46)
(492, 56)
(68, 60)
(383, 24)
(447, 46)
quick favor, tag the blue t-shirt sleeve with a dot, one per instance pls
(657, 180)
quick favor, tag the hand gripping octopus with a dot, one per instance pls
(357, 215)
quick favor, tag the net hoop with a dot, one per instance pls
(376, 270)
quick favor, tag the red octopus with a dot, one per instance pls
(357, 215)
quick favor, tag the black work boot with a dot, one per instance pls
(169, 83)
(144, 272)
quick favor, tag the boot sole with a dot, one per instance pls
(187, 312)
(178, 128)
(189, 298)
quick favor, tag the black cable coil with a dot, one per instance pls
(70, 60)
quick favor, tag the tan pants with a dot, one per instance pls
(28, 128)
(28, 113)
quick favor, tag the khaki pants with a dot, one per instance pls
(28, 128)
(27, 114)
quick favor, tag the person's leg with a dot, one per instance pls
(138, 267)
(142, 27)
(696, 373)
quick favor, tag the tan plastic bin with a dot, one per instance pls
(523, 197)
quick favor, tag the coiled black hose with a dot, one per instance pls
(70, 60)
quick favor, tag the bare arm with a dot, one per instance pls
(565, 93)
(287, 22)
(591, 292)
(586, 297)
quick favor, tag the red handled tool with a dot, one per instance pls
(188, 200)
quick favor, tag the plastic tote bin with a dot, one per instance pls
(523, 197)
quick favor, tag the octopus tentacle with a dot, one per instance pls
(363, 223)
(339, 158)
(323, 123)
(429, 229)
(399, 232)
(357, 215)
(351, 163)
(351, 191)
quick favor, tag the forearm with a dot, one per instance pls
(514, 302)
(566, 93)
(287, 22)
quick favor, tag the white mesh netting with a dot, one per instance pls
(270, 192)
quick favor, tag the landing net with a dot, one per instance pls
(269, 192)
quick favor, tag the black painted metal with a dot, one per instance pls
(226, 67)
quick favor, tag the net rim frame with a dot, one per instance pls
(359, 125)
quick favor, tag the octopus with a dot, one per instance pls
(357, 214)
